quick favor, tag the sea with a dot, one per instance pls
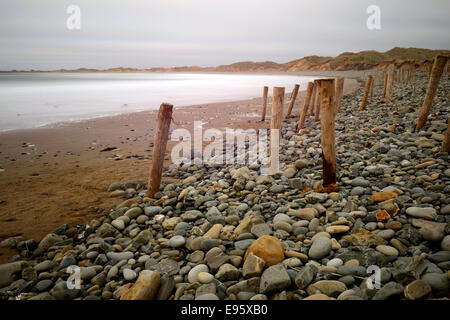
(29, 100)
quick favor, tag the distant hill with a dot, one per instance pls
(362, 60)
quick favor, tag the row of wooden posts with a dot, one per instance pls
(323, 97)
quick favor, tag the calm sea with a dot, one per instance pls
(30, 100)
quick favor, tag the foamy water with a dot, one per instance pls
(30, 100)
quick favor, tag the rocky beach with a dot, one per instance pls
(226, 232)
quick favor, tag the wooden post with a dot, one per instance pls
(275, 127)
(326, 87)
(266, 90)
(371, 87)
(385, 77)
(277, 108)
(306, 102)
(159, 148)
(313, 99)
(339, 93)
(436, 73)
(317, 112)
(366, 93)
(446, 143)
(390, 82)
(292, 102)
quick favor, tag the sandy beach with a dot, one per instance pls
(62, 174)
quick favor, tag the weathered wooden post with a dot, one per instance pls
(292, 102)
(366, 93)
(390, 82)
(275, 127)
(446, 143)
(265, 91)
(317, 111)
(436, 73)
(339, 93)
(313, 99)
(306, 102)
(277, 108)
(371, 87)
(385, 78)
(159, 148)
(326, 87)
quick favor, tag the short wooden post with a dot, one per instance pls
(390, 82)
(266, 90)
(306, 102)
(326, 87)
(436, 73)
(366, 92)
(292, 102)
(159, 148)
(385, 78)
(313, 99)
(446, 143)
(339, 93)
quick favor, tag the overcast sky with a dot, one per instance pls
(152, 33)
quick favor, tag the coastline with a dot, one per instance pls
(63, 175)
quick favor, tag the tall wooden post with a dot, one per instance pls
(339, 93)
(292, 102)
(159, 148)
(317, 112)
(265, 91)
(313, 99)
(436, 73)
(326, 87)
(277, 108)
(366, 92)
(446, 143)
(385, 78)
(390, 82)
(275, 128)
(306, 102)
(371, 87)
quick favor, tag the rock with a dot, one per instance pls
(253, 266)
(11, 242)
(44, 285)
(207, 296)
(425, 213)
(318, 296)
(305, 213)
(261, 229)
(213, 232)
(119, 256)
(205, 277)
(445, 243)
(193, 273)
(274, 278)
(327, 287)
(166, 288)
(145, 288)
(417, 289)
(267, 248)
(227, 272)
(48, 241)
(383, 196)
(337, 229)
(189, 180)
(7, 272)
(44, 266)
(118, 224)
(320, 248)
(387, 250)
(301, 163)
(364, 238)
(106, 230)
(336, 262)
(431, 231)
(386, 234)
(177, 241)
(360, 182)
(437, 281)
(61, 292)
(305, 276)
(389, 290)
(129, 274)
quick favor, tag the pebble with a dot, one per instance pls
(193, 273)
(387, 250)
(320, 248)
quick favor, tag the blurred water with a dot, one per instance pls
(29, 100)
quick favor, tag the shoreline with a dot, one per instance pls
(63, 174)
